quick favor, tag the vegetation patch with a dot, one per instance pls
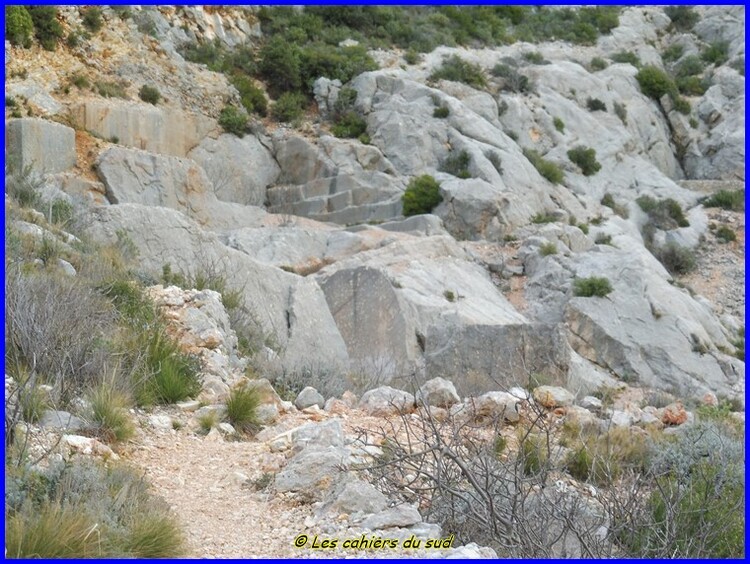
(726, 199)
(547, 169)
(457, 164)
(421, 196)
(594, 286)
(585, 158)
(455, 69)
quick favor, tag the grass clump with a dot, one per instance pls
(543, 217)
(673, 52)
(242, 406)
(627, 57)
(149, 94)
(52, 531)
(441, 112)
(109, 412)
(547, 169)
(585, 158)
(663, 214)
(208, 421)
(559, 124)
(597, 64)
(349, 125)
(456, 69)
(726, 199)
(422, 195)
(457, 164)
(449, 295)
(593, 286)
(111, 89)
(717, 53)
(34, 402)
(683, 17)
(233, 121)
(621, 112)
(548, 249)
(513, 81)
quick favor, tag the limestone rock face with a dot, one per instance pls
(289, 307)
(160, 130)
(240, 170)
(45, 146)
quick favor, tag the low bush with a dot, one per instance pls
(627, 57)
(676, 259)
(456, 69)
(441, 112)
(279, 65)
(149, 94)
(547, 169)
(655, 83)
(716, 53)
(693, 86)
(92, 18)
(663, 214)
(449, 295)
(726, 199)
(513, 80)
(253, 99)
(593, 286)
(559, 124)
(422, 195)
(535, 58)
(597, 64)
(350, 125)
(457, 164)
(547, 249)
(596, 105)
(47, 29)
(233, 121)
(112, 89)
(683, 17)
(18, 26)
(621, 112)
(496, 161)
(689, 66)
(242, 406)
(585, 158)
(543, 218)
(673, 52)
(289, 107)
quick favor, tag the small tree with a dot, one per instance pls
(421, 196)
(149, 94)
(18, 26)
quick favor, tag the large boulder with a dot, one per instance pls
(44, 146)
(292, 309)
(313, 472)
(156, 129)
(240, 170)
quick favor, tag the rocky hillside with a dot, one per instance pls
(318, 203)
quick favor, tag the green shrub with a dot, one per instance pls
(46, 27)
(109, 412)
(689, 66)
(559, 124)
(683, 17)
(412, 57)
(547, 249)
(543, 218)
(449, 295)
(233, 121)
(18, 26)
(60, 212)
(73, 40)
(23, 186)
(663, 214)
(726, 199)
(172, 376)
(676, 259)
(342, 63)
(583, 227)
(591, 287)
(289, 107)
(655, 83)
(597, 64)
(457, 164)
(534, 454)
(112, 89)
(547, 169)
(716, 53)
(726, 234)
(92, 18)
(253, 99)
(241, 408)
(441, 112)
(673, 52)
(350, 125)
(621, 112)
(692, 85)
(535, 58)
(149, 94)
(421, 196)
(455, 69)
(34, 402)
(627, 57)
(80, 81)
(596, 105)
(279, 65)
(123, 12)
(513, 80)
(585, 158)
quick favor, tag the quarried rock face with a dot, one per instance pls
(161, 130)
(45, 146)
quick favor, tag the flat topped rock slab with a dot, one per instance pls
(45, 146)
